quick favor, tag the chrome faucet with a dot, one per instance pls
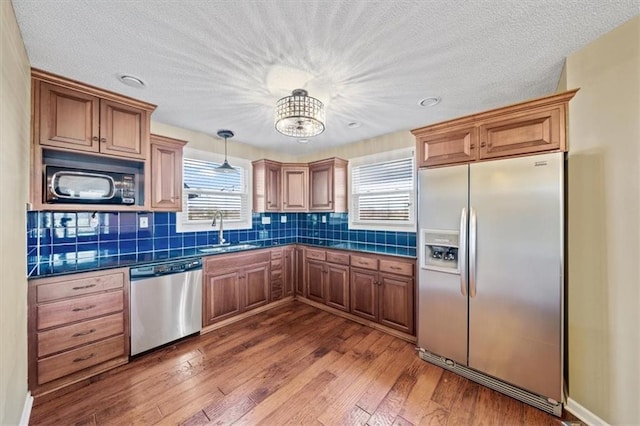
(217, 213)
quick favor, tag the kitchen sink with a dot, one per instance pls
(227, 248)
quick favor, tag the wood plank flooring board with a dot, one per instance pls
(293, 364)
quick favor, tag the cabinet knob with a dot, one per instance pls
(95, 139)
(103, 140)
(483, 144)
(472, 146)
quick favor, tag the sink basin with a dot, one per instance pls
(227, 248)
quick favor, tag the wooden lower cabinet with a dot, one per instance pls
(384, 292)
(337, 286)
(326, 283)
(78, 326)
(299, 284)
(289, 276)
(234, 283)
(314, 270)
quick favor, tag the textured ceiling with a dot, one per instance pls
(224, 64)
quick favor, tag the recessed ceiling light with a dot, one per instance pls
(303, 140)
(131, 80)
(353, 125)
(430, 101)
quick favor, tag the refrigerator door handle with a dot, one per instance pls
(462, 252)
(472, 251)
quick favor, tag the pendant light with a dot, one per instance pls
(225, 167)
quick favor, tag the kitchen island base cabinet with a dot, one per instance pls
(78, 326)
(235, 283)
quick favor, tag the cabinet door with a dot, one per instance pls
(123, 130)
(166, 176)
(321, 196)
(301, 278)
(523, 133)
(315, 272)
(256, 284)
(294, 188)
(337, 285)
(289, 271)
(364, 293)
(451, 146)
(221, 296)
(396, 302)
(273, 187)
(69, 119)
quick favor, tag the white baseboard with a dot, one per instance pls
(583, 414)
(26, 410)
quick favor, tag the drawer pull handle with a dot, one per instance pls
(84, 358)
(84, 286)
(84, 333)
(86, 308)
(395, 268)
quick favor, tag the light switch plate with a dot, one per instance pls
(266, 220)
(144, 222)
(283, 219)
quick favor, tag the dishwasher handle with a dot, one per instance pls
(167, 268)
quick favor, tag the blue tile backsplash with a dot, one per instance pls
(73, 236)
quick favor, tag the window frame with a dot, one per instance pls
(383, 225)
(200, 226)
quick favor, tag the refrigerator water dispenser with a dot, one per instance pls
(440, 250)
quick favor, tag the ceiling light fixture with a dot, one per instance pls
(131, 80)
(299, 115)
(429, 102)
(225, 167)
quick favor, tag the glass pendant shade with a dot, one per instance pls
(299, 115)
(225, 167)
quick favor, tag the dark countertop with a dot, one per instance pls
(70, 263)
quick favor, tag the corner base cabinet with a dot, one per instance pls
(78, 327)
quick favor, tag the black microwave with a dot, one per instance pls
(79, 186)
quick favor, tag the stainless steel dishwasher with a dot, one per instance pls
(166, 303)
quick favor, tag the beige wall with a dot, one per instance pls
(210, 143)
(15, 89)
(238, 149)
(604, 232)
(388, 142)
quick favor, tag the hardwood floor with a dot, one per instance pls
(291, 365)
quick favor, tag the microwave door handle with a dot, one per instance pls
(462, 252)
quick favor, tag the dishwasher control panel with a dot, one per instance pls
(165, 268)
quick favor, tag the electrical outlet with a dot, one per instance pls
(324, 219)
(283, 219)
(266, 220)
(144, 222)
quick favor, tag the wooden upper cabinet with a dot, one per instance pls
(124, 130)
(78, 117)
(522, 129)
(69, 119)
(295, 183)
(328, 185)
(166, 173)
(524, 133)
(449, 146)
(267, 186)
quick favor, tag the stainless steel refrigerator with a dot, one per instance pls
(490, 303)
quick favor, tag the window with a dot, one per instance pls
(206, 190)
(383, 191)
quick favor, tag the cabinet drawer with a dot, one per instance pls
(63, 338)
(78, 359)
(395, 267)
(78, 287)
(316, 254)
(276, 264)
(335, 257)
(276, 254)
(78, 309)
(364, 262)
(276, 275)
